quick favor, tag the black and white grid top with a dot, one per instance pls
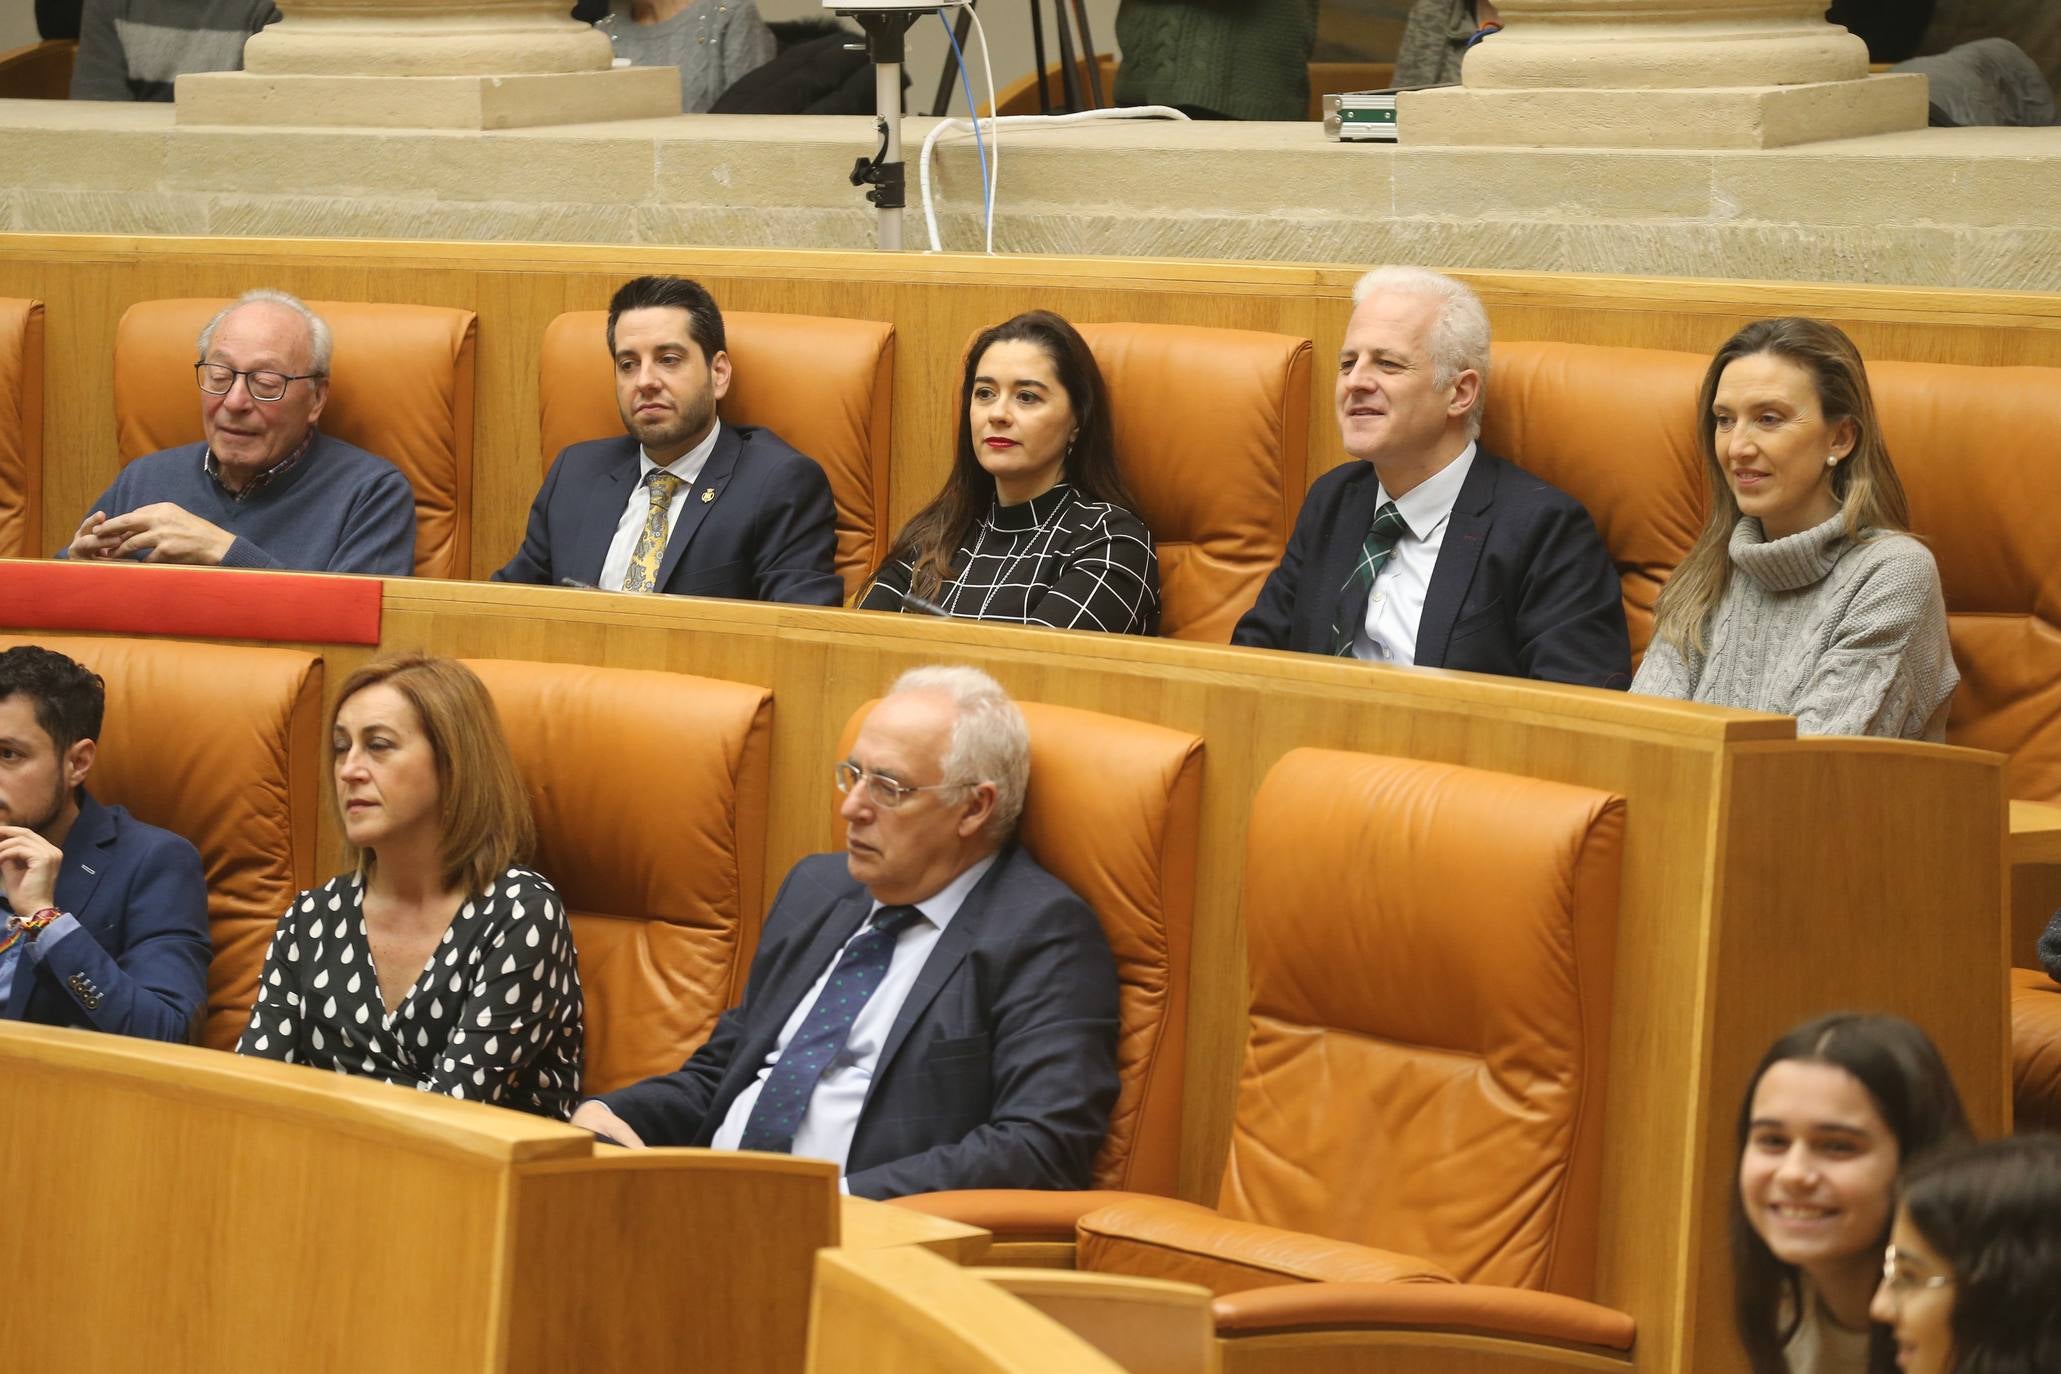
(1056, 560)
(494, 1016)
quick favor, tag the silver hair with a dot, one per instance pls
(1460, 334)
(318, 328)
(990, 742)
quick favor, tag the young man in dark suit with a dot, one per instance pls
(682, 503)
(929, 1009)
(1430, 550)
(103, 919)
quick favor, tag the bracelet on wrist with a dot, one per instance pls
(31, 924)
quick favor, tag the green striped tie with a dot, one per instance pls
(1388, 527)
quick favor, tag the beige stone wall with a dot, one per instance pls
(1978, 208)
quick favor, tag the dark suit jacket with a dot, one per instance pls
(1000, 1071)
(768, 534)
(140, 954)
(1523, 586)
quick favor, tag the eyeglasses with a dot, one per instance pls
(1901, 1281)
(885, 791)
(216, 379)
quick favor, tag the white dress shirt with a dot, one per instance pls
(687, 467)
(1395, 603)
(833, 1115)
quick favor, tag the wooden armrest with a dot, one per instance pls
(2035, 833)
(1158, 1237)
(1479, 1308)
(1014, 1214)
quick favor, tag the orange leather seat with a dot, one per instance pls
(1966, 441)
(649, 791)
(1112, 812)
(1431, 953)
(1212, 431)
(824, 385)
(1615, 428)
(21, 428)
(223, 746)
(400, 387)
(2035, 1050)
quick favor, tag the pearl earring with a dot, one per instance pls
(1831, 460)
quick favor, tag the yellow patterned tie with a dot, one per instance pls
(651, 543)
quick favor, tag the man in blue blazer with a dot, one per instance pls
(1431, 550)
(928, 1010)
(683, 503)
(103, 919)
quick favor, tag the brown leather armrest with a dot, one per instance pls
(1014, 1214)
(1160, 1238)
(1509, 1312)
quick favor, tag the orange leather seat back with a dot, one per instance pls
(1112, 811)
(1615, 428)
(824, 385)
(1431, 953)
(1972, 445)
(1212, 432)
(649, 791)
(21, 428)
(222, 745)
(400, 386)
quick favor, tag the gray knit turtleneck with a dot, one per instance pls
(1850, 637)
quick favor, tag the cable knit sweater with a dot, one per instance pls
(1849, 637)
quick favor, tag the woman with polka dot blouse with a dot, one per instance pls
(440, 962)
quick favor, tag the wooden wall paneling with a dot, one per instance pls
(177, 1159)
(1832, 891)
(709, 1255)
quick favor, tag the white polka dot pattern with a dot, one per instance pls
(528, 1007)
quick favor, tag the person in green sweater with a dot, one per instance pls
(1217, 59)
(1804, 594)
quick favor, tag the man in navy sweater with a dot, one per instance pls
(265, 489)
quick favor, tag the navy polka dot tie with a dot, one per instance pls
(784, 1098)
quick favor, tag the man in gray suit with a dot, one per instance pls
(928, 1010)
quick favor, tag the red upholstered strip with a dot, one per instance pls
(203, 603)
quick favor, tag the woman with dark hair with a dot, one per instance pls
(1034, 525)
(1804, 594)
(1971, 1283)
(439, 962)
(1835, 1109)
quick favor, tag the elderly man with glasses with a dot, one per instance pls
(929, 1009)
(265, 489)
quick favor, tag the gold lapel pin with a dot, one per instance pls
(708, 494)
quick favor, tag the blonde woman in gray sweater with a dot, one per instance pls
(1804, 594)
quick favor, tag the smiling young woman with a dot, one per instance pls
(1035, 524)
(1804, 594)
(440, 962)
(1836, 1108)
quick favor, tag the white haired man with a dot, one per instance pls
(265, 489)
(929, 1009)
(1430, 550)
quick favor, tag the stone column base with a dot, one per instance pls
(1711, 117)
(428, 102)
